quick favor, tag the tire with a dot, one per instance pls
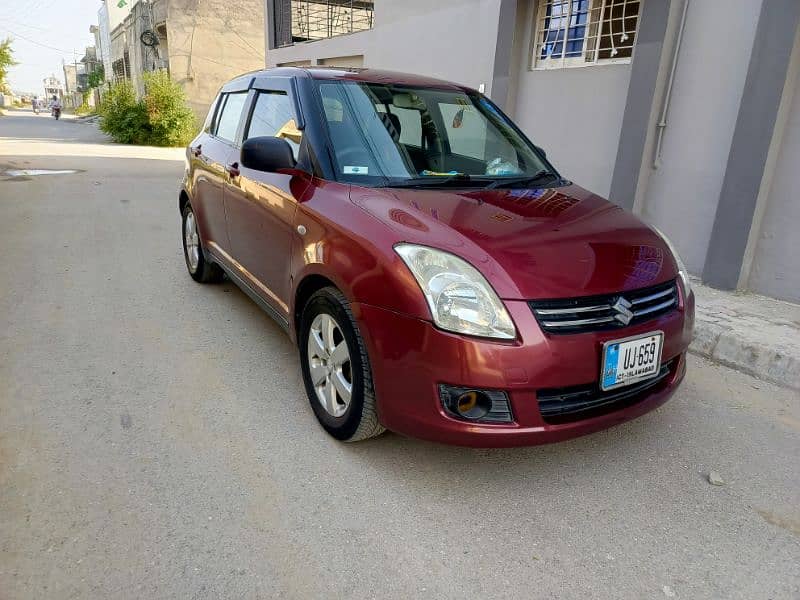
(200, 269)
(349, 421)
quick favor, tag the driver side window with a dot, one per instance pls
(273, 115)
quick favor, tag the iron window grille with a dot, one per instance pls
(311, 20)
(571, 33)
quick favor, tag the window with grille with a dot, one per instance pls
(583, 32)
(309, 20)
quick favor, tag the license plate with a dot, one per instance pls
(630, 360)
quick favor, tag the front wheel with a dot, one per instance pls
(336, 369)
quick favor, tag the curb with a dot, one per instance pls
(753, 334)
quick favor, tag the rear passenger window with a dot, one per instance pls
(228, 120)
(273, 115)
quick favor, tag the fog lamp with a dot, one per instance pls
(477, 405)
(473, 404)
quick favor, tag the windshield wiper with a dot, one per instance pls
(542, 175)
(428, 180)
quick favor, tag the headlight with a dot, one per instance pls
(460, 298)
(684, 274)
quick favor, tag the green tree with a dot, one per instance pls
(6, 62)
(96, 77)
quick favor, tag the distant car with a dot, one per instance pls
(439, 276)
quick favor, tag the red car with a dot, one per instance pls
(440, 278)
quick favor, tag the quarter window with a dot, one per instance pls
(208, 124)
(273, 115)
(573, 33)
(228, 120)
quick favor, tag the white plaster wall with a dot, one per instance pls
(575, 114)
(682, 195)
(450, 39)
(776, 264)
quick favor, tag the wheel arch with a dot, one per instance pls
(306, 288)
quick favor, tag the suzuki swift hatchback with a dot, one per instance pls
(440, 278)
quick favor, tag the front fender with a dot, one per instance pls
(354, 250)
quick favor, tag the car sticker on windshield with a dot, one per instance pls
(354, 170)
(427, 173)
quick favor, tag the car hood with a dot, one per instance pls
(529, 243)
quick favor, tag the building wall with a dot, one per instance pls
(776, 264)
(575, 113)
(210, 42)
(126, 36)
(682, 194)
(409, 36)
(103, 38)
(207, 43)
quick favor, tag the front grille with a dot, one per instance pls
(610, 311)
(564, 405)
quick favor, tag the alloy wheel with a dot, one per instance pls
(329, 365)
(192, 241)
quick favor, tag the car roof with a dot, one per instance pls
(366, 75)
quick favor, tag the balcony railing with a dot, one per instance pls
(310, 20)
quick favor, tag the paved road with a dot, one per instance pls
(155, 441)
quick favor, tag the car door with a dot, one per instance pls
(261, 206)
(211, 157)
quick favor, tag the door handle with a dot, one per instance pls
(197, 151)
(233, 169)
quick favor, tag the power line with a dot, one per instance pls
(19, 24)
(27, 39)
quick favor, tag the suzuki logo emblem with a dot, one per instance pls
(623, 309)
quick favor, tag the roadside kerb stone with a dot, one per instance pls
(756, 335)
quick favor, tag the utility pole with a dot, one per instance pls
(77, 86)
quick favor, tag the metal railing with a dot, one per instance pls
(310, 20)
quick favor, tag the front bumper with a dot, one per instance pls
(410, 357)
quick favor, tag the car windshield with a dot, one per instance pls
(396, 135)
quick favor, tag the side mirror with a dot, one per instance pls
(267, 153)
(540, 149)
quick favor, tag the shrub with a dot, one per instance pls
(122, 116)
(84, 108)
(161, 118)
(171, 120)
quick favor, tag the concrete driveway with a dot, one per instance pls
(156, 442)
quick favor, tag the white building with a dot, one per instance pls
(53, 87)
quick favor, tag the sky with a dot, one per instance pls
(44, 33)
